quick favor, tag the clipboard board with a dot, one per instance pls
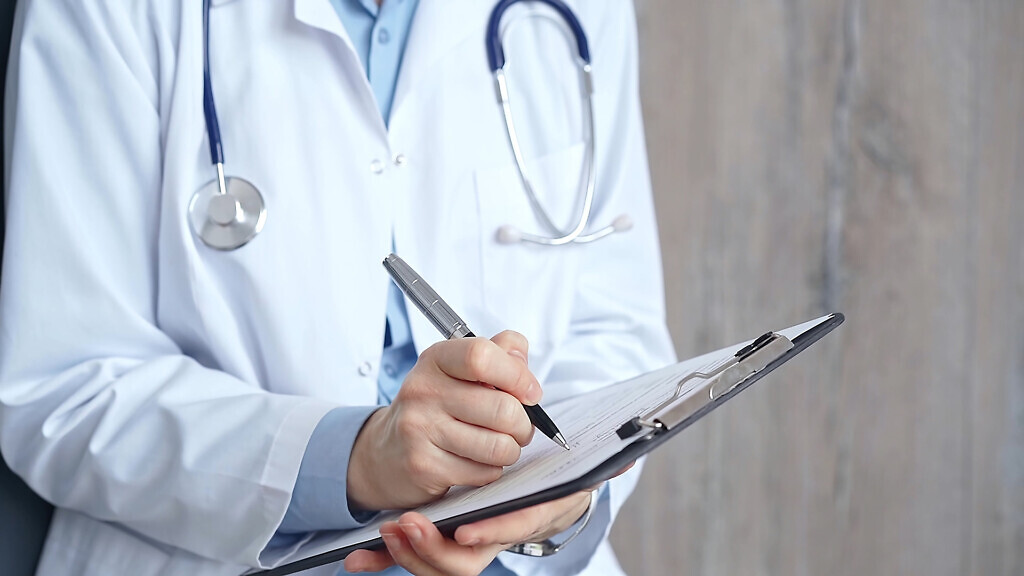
(697, 393)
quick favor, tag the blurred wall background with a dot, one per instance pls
(862, 156)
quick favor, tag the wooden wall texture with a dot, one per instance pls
(862, 156)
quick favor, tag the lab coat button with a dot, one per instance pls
(365, 369)
(400, 160)
(376, 166)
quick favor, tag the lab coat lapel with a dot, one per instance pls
(438, 27)
(320, 14)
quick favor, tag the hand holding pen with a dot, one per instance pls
(457, 420)
(452, 326)
(444, 428)
(458, 410)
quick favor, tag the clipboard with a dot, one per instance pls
(697, 393)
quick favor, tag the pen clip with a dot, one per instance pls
(719, 378)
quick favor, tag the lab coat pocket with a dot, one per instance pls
(528, 287)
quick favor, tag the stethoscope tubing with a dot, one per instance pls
(563, 237)
(209, 106)
(497, 61)
(251, 214)
(228, 212)
(495, 49)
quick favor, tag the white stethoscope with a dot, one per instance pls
(226, 213)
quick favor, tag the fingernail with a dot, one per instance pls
(412, 531)
(393, 542)
(519, 355)
(472, 542)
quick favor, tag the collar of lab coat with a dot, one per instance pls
(439, 26)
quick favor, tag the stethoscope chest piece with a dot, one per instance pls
(227, 220)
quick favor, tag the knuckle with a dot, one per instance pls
(440, 435)
(510, 339)
(412, 385)
(505, 451)
(419, 387)
(491, 474)
(408, 428)
(527, 435)
(524, 380)
(433, 350)
(484, 476)
(508, 414)
(478, 358)
(420, 469)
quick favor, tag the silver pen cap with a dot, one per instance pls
(423, 296)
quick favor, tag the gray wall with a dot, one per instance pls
(862, 156)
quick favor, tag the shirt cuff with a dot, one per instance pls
(320, 497)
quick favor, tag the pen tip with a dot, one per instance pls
(560, 440)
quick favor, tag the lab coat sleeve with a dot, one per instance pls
(618, 325)
(100, 411)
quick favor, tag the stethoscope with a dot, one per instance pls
(509, 234)
(228, 212)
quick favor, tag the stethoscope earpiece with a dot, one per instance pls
(509, 234)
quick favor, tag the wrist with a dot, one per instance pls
(363, 480)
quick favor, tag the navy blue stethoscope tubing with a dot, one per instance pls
(495, 56)
(209, 108)
(495, 51)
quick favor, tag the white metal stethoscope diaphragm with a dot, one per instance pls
(227, 220)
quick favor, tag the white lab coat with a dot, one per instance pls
(161, 393)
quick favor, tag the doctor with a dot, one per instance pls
(198, 411)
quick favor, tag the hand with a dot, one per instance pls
(457, 421)
(415, 544)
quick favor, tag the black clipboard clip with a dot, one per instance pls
(719, 378)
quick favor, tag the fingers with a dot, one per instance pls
(444, 428)
(437, 469)
(416, 545)
(481, 360)
(368, 561)
(529, 524)
(477, 444)
(487, 408)
(514, 343)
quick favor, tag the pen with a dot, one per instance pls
(451, 326)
